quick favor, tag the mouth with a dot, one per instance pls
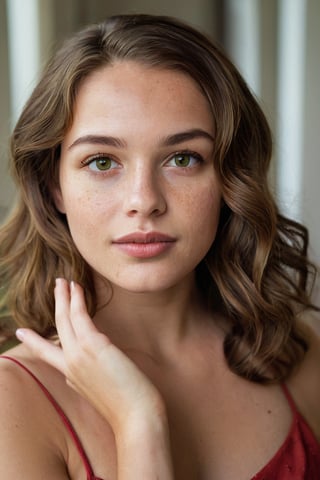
(144, 238)
(144, 245)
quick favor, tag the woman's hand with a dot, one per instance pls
(92, 365)
(111, 382)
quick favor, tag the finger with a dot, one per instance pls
(42, 348)
(80, 319)
(62, 312)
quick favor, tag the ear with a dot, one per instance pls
(58, 199)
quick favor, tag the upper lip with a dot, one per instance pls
(144, 237)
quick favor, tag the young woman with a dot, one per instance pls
(162, 301)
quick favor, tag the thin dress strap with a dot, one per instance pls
(62, 415)
(290, 399)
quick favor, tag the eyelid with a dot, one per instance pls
(90, 159)
(191, 153)
(96, 156)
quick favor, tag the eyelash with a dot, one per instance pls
(190, 153)
(86, 162)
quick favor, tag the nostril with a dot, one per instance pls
(152, 203)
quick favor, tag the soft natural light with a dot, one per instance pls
(291, 84)
(24, 51)
(243, 39)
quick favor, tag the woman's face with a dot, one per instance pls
(137, 182)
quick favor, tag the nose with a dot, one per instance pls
(143, 195)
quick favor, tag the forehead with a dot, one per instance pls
(129, 80)
(133, 92)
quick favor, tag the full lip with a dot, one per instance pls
(144, 238)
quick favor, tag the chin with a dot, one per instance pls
(155, 283)
(145, 288)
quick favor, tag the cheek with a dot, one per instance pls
(81, 201)
(203, 210)
(85, 212)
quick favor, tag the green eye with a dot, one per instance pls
(101, 163)
(182, 160)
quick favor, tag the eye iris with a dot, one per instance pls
(182, 160)
(103, 163)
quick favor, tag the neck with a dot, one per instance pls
(153, 321)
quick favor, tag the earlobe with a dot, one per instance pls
(58, 199)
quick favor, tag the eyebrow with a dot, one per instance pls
(167, 141)
(181, 137)
(98, 140)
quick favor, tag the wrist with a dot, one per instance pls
(143, 448)
(145, 421)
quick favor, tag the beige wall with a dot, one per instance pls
(311, 146)
(6, 187)
(70, 14)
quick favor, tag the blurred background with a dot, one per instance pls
(274, 43)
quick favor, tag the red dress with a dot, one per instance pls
(297, 459)
(299, 456)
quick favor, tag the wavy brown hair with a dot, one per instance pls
(256, 271)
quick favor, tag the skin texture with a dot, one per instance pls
(147, 373)
(143, 190)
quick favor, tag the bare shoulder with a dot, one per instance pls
(29, 445)
(305, 381)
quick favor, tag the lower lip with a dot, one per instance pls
(144, 250)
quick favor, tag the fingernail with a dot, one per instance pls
(20, 334)
(72, 285)
(58, 281)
